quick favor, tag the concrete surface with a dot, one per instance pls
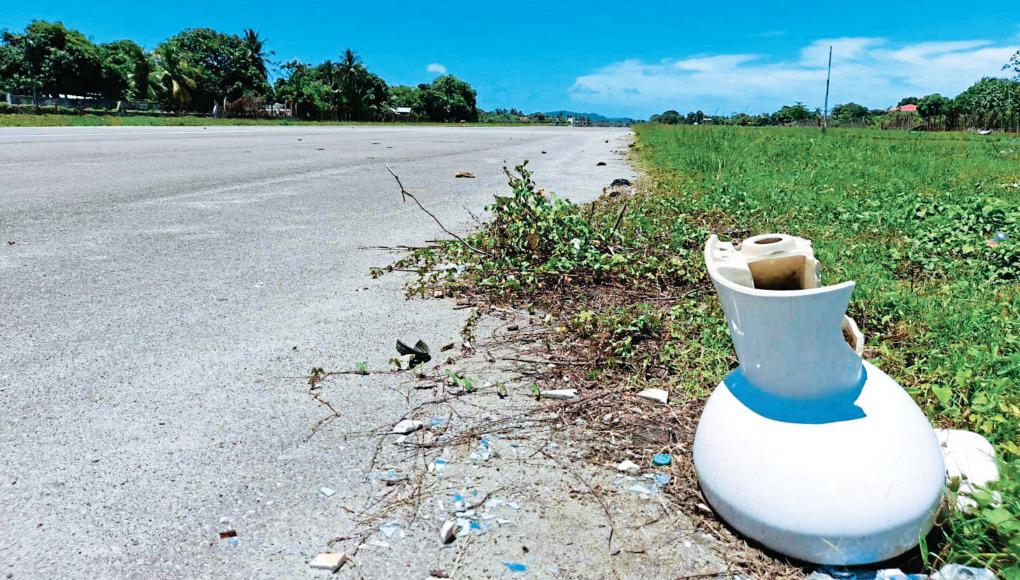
(160, 288)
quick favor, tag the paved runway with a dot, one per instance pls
(158, 286)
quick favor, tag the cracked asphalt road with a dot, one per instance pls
(160, 288)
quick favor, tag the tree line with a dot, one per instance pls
(201, 70)
(990, 102)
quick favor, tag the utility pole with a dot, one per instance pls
(828, 76)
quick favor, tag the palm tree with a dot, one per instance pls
(172, 76)
(254, 50)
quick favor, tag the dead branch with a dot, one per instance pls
(404, 194)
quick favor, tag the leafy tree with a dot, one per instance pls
(448, 98)
(907, 101)
(850, 112)
(125, 70)
(53, 59)
(302, 88)
(989, 95)
(405, 96)
(220, 66)
(669, 117)
(1014, 65)
(792, 113)
(933, 106)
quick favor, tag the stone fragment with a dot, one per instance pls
(329, 561)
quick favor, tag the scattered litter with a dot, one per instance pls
(1001, 236)
(600, 164)
(563, 394)
(407, 426)
(438, 421)
(233, 541)
(482, 452)
(838, 573)
(620, 182)
(501, 391)
(513, 505)
(327, 491)
(228, 534)
(515, 566)
(543, 153)
(447, 347)
(390, 528)
(961, 572)
(661, 480)
(438, 573)
(628, 466)
(437, 464)
(388, 476)
(448, 533)
(661, 459)
(657, 395)
(985, 132)
(642, 489)
(420, 352)
(329, 561)
(465, 174)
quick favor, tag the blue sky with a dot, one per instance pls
(616, 58)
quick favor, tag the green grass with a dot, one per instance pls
(53, 120)
(906, 215)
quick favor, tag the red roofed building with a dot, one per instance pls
(905, 109)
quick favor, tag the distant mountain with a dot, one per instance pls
(592, 116)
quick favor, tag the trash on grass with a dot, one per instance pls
(561, 394)
(620, 182)
(657, 395)
(661, 459)
(628, 466)
(961, 572)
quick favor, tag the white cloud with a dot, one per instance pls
(871, 71)
(436, 68)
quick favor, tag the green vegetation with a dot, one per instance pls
(913, 217)
(204, 71)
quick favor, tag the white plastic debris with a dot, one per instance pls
(407, 426)
(960, 572)
(657, 395)
(628, 466)
(564, 394)
(327, 491)
(448, 532)
(970, 459)
(329, 561)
